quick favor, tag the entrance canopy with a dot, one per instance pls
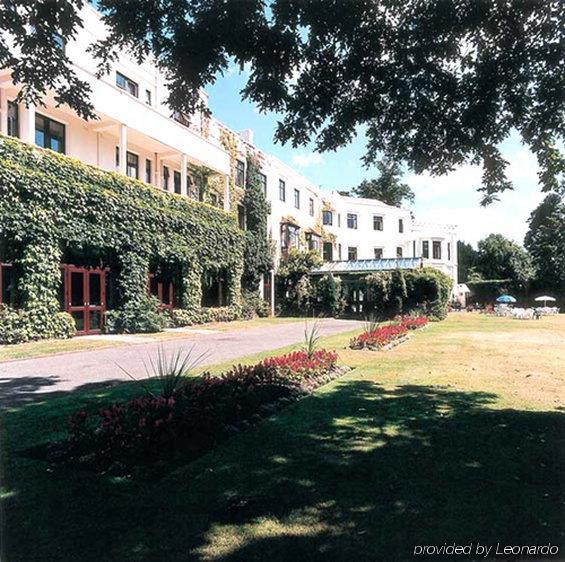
(367, 266)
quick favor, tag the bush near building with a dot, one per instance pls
(50, 204)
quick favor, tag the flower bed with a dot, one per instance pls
(149, 434)
(413, 322)
(387, 335)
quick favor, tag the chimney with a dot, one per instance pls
(247, 135)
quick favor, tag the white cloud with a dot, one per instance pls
(453, 199)
(304, 160)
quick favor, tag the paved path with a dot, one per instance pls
(33, 379)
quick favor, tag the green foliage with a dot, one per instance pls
(330, 295)
(445, 82)
(545, 241)
(388, 186)
(425, 290)
(252, 304)
(19, 326)
(295, 290)
(486, 291)
(257, 252)
(49, 201)
(466, 260)
(137, 317)
(187, 317)
(500, 258)
(311, 339)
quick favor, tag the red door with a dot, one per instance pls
(85, 298)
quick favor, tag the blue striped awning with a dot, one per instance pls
(367, 266)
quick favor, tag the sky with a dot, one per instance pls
(449, 199)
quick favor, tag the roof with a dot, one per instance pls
(367, 266)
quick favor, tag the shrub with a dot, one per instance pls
(330, 295)
(18, 326)
(253, 305)
(141, 316)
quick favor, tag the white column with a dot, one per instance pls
(157, 171)
(27, 127)
(123, 148)
(227, 194)
(183, 175)
(272, 273)
(3, 112)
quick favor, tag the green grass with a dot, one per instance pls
(453, 436)
(51, 347)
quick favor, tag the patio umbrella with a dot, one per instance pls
(505, 299)
(544, 299)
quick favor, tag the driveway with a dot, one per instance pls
(34, 379)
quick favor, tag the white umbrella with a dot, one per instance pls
(544, 299)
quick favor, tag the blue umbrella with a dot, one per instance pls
(505, 298)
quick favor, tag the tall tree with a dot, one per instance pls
(466, 260)
(387, 187)
(545, 240)
(433, 84)
(500, 258)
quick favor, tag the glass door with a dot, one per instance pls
(85, 298)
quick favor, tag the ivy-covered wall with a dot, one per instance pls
(49, 202)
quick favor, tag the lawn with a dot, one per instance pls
(453, 436)
(52, 347)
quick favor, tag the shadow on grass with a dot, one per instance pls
(355, 473)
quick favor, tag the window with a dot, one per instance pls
(282, 190)
(49, 134)
(214, 199)
(117, 156)
(129, 86)
(166, 175)
(327, 218)
(148, 170)
(148, 97)
(312, 241)
(352, 221)
(399, 251)
(176, 181)
(239, 173)
(328, 251)
(400, 225)
(13, 119)
(289, 237)
(449, 251)
(425, 249)
(132, 165)
(263, 182)
(436, 250)
(413, 248)
(352, 253)
(339, 252)
(297, 198)
(339, 220)
(311, 206)
(378, 253)
(377, 222)
(241, 216)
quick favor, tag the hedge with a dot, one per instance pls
(50, 202)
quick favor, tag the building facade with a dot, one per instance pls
(136, 134)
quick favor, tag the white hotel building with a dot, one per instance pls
(137, 135)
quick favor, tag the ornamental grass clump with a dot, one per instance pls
(148, 435)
